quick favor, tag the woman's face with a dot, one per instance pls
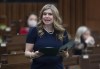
(47, 17)
(86, 34)
(32, 21)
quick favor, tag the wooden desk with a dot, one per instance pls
(14, 58)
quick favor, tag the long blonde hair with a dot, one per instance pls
(80, 31)
(57, 24)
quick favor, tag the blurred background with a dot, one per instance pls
(74, 13)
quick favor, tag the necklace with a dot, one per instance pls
(50, 32)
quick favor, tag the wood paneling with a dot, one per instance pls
(19, 11)
(2, 8)
(92, 17)
(73, 12)
(92, 14)
(66, 14)
(9, 13)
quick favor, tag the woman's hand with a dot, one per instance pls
(30, 53)
(64, 54)
(36, 54)
(90, 41)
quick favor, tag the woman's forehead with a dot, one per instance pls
(32, 17)
(87, 32)
(47, 11)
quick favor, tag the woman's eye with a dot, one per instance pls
(49, 13)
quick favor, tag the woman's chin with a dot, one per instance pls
(48, 23)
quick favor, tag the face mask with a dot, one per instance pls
(90, 41)
(32, 23)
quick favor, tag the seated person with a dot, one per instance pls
(31, 22)
(83, 39)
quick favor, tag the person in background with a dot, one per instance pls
(83, 39)
(48, 33)
(31, 21)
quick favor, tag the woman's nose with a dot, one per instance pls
(47, 15)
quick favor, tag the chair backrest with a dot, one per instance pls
(16, 66)
(15, 58)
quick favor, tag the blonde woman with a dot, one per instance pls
(48, 33)
(83, 39)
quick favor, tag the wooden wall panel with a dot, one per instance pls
(93, 14)
(2, 13)
(21, 10)
(72, 17)
(39, 7)
(66, 14)
(9, 13)
(60, 5)
(15, 13)
(73, 12)
(78, 11)
(92, 17)
(34, 7)
(2, 8)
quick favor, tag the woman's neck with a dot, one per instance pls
(48, 28)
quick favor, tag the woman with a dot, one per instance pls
(83, 39)
(31, 21)
(48, 33)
